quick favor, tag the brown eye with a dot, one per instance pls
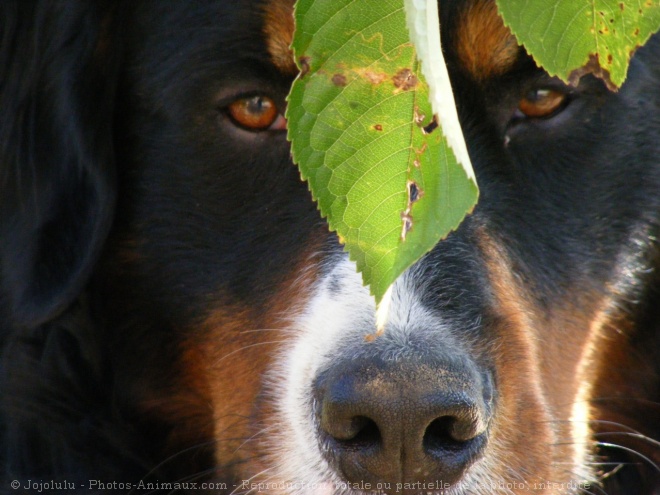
(541, 103)
(256, 113)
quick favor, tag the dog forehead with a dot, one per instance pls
(484, 46)
(278, 30)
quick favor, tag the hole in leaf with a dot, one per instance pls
(433, 125)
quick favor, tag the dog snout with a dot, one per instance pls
(403, 421)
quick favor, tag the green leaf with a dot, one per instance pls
(570, 38)
(357, 114)
(424, 27)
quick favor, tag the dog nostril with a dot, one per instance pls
(438, 435)
(363, 433)
(450, 433)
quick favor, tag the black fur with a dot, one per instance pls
(92, 112)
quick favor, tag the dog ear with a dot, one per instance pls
(58, 72)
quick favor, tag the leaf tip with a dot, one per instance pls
(382, 313)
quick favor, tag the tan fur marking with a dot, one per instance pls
(524, 416)
(485, 46)
(574, 350)
(213, 400)
(227, 356)
(278, 28)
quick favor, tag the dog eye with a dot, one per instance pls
(541, 103)
(256, 113)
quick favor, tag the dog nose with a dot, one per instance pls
(404, 421)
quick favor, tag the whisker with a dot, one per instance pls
(193, 477)
(250, 346)
(234, 492)
(613, 423)
(631, 451)
(159, 485)
(593, 484)
(257, 330)
(154, 469)
(204, 473)
(629, 430)
(648, 402)
(260, 432)
(597, 487)
(637, 436)
(618, 468)
(583, 490)
(597, 421)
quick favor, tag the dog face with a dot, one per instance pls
(231, 326)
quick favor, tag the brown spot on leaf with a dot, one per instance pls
(304, 65)
(592, 67)
(378, 127)
(278, 29)
(414, 195)
(406, 225)
(339, 80)
(419, 117)
(404, 80)
(485, 46)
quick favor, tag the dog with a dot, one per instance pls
(177, 318)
